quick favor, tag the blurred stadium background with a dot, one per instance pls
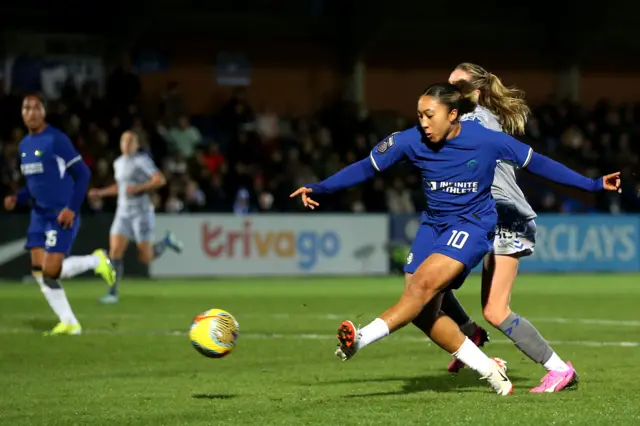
(239, 103)
(239, 107)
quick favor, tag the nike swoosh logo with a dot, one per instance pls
(11, 250)
(504, 378)
(553, 387)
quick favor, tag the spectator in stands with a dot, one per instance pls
(141, 133)
(268, 124)
(195, 198)
(174, 203)
(172, 105)
(242, 205)
(399, 198)
(268, 153)
(185, 137)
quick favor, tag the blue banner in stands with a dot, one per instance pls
(233, 69)
(565, 243)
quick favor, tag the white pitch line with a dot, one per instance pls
(589, 321)
(328, 337)
(333, 317)
(328, 316)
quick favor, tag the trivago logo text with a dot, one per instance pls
(307, 247)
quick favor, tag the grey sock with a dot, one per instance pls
(159, 248)
(526, 338)
(118, 264)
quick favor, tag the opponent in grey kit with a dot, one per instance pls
(136, 175)
(503, 109)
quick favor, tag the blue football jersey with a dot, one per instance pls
(44, 160)
(457, 174)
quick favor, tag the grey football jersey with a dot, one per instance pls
(511, 204)
(130, 171)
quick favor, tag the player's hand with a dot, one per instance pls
(132, 190)
(66, 217)
(612, 182)
(95, 193)
(308, 202)
(10, 202)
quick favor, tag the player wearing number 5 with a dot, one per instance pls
(457, 162)
(56, 185)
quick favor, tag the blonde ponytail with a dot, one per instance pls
(507, 103)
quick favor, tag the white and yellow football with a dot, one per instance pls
(214, 333)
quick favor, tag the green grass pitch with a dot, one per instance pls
(135, 366)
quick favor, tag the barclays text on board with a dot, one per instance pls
(585, 243)
(567, 243)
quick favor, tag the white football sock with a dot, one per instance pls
(472, 356)
(376, 330)
(57, 299)
(76, 265)
(556, 364)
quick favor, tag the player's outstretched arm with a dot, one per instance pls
(521, 155)
(351, 175)
(552, 170)
(387, 153)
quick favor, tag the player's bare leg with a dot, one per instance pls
(446, 333)
(421, 295)
(47, 278)
(430, 277)
(117, 247)
(498, 276)
(454, 310)
(478, 335)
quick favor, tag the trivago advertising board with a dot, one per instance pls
(297, 244)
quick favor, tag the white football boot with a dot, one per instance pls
(498, 379)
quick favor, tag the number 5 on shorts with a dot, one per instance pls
(51, 238)
(458, 239)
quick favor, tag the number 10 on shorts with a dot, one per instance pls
(458, 239)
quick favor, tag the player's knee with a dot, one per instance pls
(422, 286)
(495, 314)
(116, 252)
(144, 257)
(51, 271)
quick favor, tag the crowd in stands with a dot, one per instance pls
(244, 160)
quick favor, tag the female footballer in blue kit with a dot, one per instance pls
(457, 162)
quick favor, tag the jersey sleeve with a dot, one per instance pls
(511, 150)
(147, 165)
(388, 152)
(63, 148)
